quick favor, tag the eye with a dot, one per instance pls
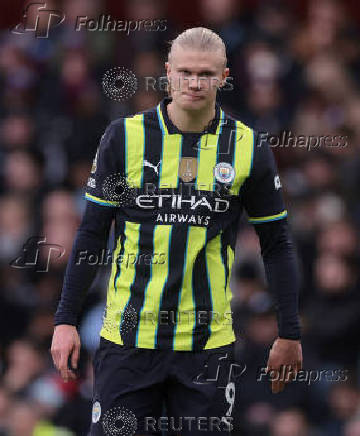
(185, 72)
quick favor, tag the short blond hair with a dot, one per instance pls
(199, 38)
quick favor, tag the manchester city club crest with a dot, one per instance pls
(187, 168)
(96, 412)
(224, 172)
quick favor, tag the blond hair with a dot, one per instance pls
(199, 38)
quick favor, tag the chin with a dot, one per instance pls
(193, 104)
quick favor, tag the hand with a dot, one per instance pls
(285, 360)
(65, 343)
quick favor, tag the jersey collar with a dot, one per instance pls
(168, 127)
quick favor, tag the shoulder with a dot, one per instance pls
(137, 120)
(230, 119)
(243, 134)
(256, 142)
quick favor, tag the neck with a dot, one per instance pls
(190, 121)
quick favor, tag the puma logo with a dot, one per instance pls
(155, 168)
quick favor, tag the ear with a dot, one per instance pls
(168, 71)
(167, 67)
(224, 75)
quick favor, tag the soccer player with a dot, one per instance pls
(175, 179)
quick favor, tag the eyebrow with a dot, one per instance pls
(207, 71)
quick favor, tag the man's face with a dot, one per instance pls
(195, 77)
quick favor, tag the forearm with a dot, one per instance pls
(91, 238)
(282, 274)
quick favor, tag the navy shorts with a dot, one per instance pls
(139, 391)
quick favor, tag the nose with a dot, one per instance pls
(194, 82)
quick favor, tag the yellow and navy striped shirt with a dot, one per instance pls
(178, 199)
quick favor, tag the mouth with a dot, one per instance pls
(193, 97)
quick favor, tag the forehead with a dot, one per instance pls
(197, 60)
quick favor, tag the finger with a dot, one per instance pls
(299, 364)
(290, 374)
(70, 375)
(277, 386)
(280, 375)
(274, 375)
(63, 365)
(56, 358)
(64, 374)
(75, 356)
(293, 375)
(67, 374)
(285, 373)
(280, 386)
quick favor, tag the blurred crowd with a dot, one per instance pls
(293, 72)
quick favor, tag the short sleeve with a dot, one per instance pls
(262, 192)
(107, 165)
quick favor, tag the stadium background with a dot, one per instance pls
(296, 67)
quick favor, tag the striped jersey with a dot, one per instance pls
(178, 199)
